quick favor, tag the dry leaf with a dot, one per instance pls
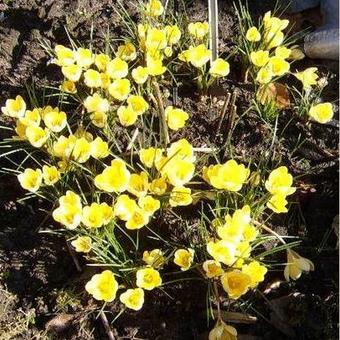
(60, 322)
(274, 92)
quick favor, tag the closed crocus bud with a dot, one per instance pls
(296, 265)
(222, 331)
(219, 68)
(253, 34)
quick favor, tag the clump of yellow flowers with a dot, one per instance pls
(267, 55)
(266, 49)
(108, 170)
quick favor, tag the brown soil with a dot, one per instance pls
(36, 267)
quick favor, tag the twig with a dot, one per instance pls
(217, 296)
(74, 257)
(224, 110)
(205, 150)
(161, 113)
(232, 115)
(107, 326)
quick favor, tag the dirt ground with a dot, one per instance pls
(40, 287)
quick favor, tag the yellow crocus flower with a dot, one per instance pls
(101, 60)
(219, 68)
(30, 179)
(82, 244)
(282, 52)
(198, 56)
(277, 203)
(119, 89)
(259, 58)
(173, 34)
(37, 136)
(133, 298)
(278, 66)
(84, 57)
(322, 113)
(198, 29)
(96, 103)
(148, 278)
(229, 176)
(137, 104)
(264, 76)
(126, 115)
(51, 175)
(92, 216)
(31, 118)
(180, 196)
(280, 182)
(149, 204)
(103, 286)
(68, 86)
(176, 118)
(117, 68)
(184, 258)
(99, 119)
(114, 178)
(149, 156)
(55, 120)
(158, 186)
(92, 78)
(127, 52)
(124, 207)
(308, 77)
(138, 184)
(256, 272)
(235, 283)
(72, 72)
(253, 34)
(140, 74)
(14, 107)
(154, 8)
(65, 56)
(222, 251)
(82, 150)
(99, 148)
(212, 268)
(154, 258)
(138, 219)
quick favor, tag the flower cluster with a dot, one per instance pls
(232, 250)
(197, 55)
(106, 182)
(268, 54)
(279, 184)
(319, 112)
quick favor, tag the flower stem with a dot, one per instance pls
(217, 296)
(161, 111)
